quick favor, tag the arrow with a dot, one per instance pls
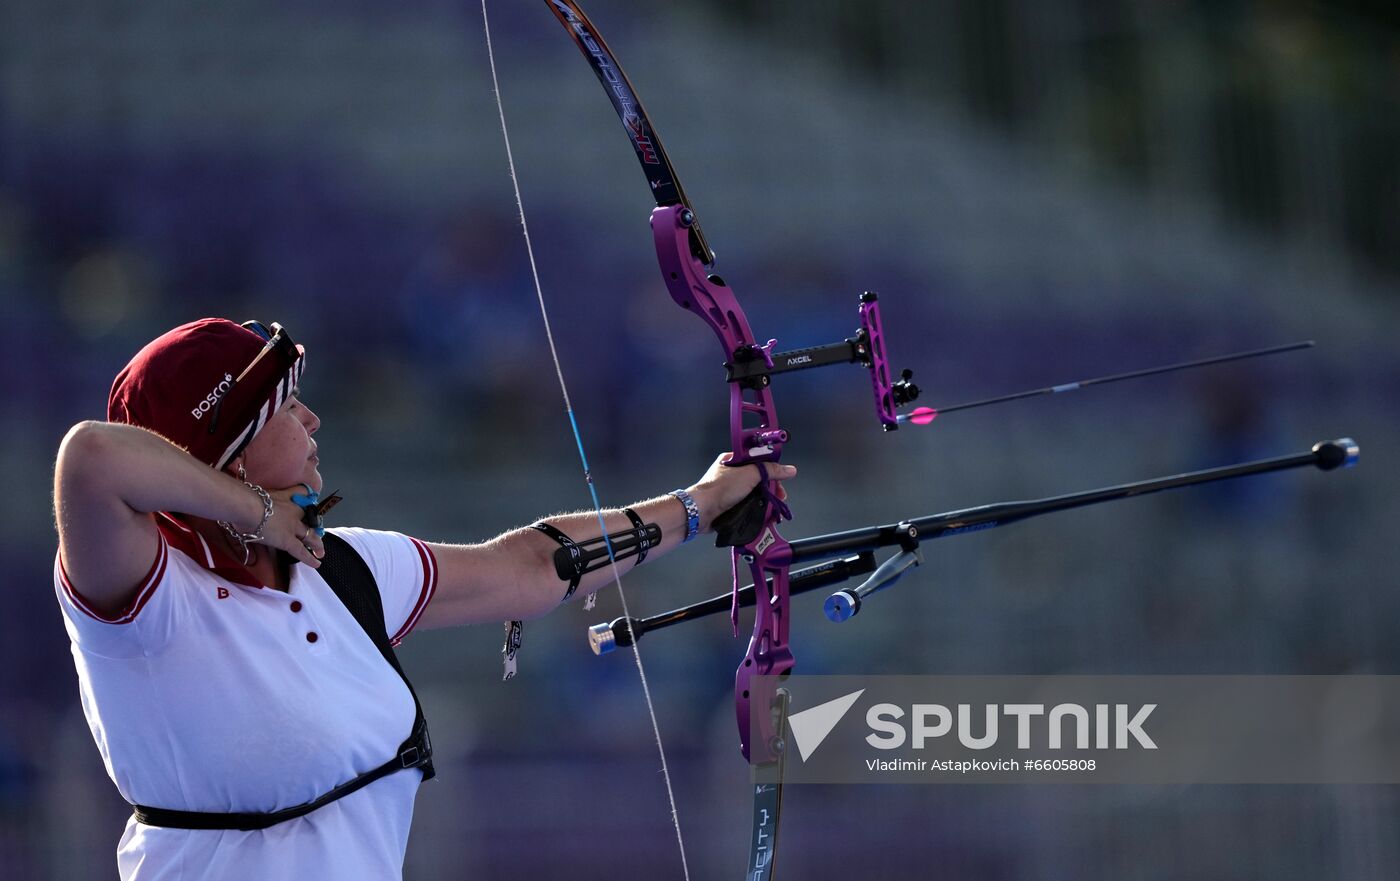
(925, 415)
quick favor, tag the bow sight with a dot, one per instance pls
(752, 366)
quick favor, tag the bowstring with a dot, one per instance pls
(578, 441)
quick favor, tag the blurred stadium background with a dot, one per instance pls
(1039, 191)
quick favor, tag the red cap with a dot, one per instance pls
(209, 386)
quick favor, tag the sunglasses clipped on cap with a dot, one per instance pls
(277, 336)
(277, 340)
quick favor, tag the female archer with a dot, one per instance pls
(235, 659)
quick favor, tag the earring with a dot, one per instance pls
(242, 473)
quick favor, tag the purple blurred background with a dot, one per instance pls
(1039, 192)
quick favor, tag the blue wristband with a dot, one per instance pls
(692, 514)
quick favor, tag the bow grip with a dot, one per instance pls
(742, 523)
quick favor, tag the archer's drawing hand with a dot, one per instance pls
(723, 487)
(286, 531)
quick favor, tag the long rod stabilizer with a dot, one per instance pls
(862, 543)
(844, 604)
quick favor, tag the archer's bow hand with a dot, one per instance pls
(723, 490)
